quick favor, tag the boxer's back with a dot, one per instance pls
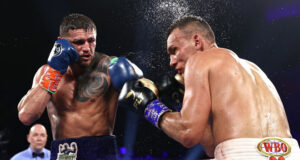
(245, 103)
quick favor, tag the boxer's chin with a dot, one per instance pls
(84, 63)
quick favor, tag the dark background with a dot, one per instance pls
(264, 32)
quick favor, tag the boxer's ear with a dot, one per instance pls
(198, 42)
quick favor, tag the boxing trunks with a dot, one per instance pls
(270, 148)
(85, 148)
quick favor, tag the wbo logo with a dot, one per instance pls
(274, 147)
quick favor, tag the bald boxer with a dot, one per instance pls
(230, 106)
(37, 138)
(80, 89)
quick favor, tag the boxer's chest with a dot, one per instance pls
(91, 86)
(87, 89)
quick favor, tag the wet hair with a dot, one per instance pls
(190, 24)
(75, 21)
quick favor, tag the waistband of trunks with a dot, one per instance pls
(242, 148)
(85, 148)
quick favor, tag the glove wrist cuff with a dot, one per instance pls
(50, 79)
(154, 111)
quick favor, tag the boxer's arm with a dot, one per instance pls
(188, 125)
(46, 80)
(33, 104)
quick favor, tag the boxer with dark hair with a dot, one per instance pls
(229, 105)
(80, 89)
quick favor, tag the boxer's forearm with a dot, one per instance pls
(33, 104)
(177, 128)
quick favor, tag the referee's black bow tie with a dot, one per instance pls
(38, 154)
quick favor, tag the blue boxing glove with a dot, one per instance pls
(62, 55)
(122, 70)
